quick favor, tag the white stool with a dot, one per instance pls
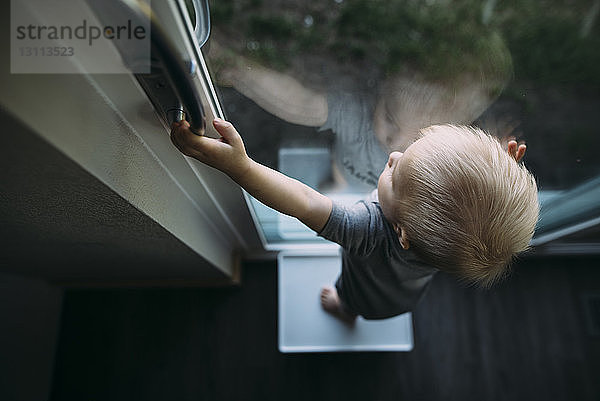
(305, 327)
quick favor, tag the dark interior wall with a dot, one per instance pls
(30, 312)
(59, 222)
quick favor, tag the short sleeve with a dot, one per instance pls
(351, 227)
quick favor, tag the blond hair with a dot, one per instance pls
(466, 205)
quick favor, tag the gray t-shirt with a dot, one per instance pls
(379, 278)
(358, 153)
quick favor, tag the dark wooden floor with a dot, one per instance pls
(525, 340)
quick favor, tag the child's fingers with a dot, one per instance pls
(520, 152)
(512, 149)
(177, 140)
(182, 138)
(227, 131)
(200, 147)
(180, 123)
(517, 151)
(175, 127)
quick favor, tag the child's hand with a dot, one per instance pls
(516, 151)
(227, 154)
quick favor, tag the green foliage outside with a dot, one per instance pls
(541, 40)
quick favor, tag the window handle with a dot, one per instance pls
(178, 72)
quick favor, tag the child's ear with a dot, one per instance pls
(402, 237)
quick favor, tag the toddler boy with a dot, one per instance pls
(454, 201)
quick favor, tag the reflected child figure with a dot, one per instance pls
(454, 201)
(368, 118)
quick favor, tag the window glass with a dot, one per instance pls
(324, 90)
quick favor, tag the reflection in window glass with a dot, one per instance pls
(324, 90)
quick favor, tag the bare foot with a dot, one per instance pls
(330, 301)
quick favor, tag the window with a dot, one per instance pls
(324, 90)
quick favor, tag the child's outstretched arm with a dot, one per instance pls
(272, 188)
